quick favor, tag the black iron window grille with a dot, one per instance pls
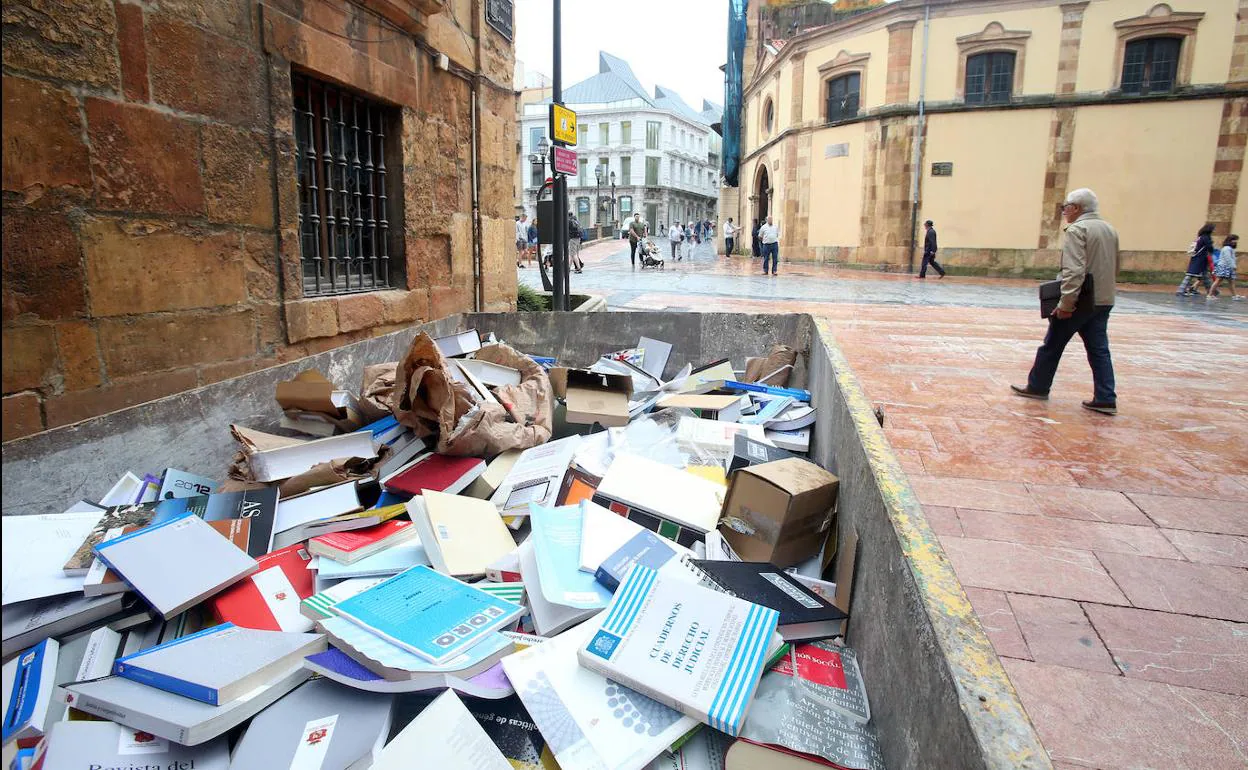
(1150, 66)
(843, 94)
(344, 225)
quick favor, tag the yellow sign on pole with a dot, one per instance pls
(562, 124)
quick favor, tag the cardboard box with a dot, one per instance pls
(723, 408)
(592, 397)
(779, 511)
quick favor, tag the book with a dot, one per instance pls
(536, 477)
(176, 564)
(428, 613)
(295, 515)
(822, 712)
(645, 548)
(319, 605)
(100, 580)
(387, 563)
(548, 617)
(401, 453)
(28, 681)
(256, 507)
(179, 483)
(792, 440)
(505, 569)
(284, 462)
(459, 344)
(269, 599)
(126, 491)
(747, 451)
(445, 735)
(461, 535)
(166, 715)
(602, 534)
(797, 394)
(507, 723)
(589, 720)
(99, 654)
(689, 647)
(30, 622)
(708, 377)
(485, 485)
(804, 615)
(395, 664)
(112, 519)
(336, 665)
(511, 592)
(149, 491)
(34, 550)
(87, 745)
(704, 750)
(349, 547)
(344, 522)
(713, 439)
(320, 725)
(556, 538)
(490, 374)
(793, 418)
(439, 473)
(219, 664)
(678, 505)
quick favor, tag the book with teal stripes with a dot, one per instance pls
(687, 646)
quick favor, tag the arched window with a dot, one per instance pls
(990, 77)
(843, 96)
(1151, 65)
(769, 116)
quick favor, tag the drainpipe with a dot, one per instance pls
(478, 280)
(917, 167)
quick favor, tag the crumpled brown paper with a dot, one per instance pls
(429, 400)
(377, 391)
(778, 356)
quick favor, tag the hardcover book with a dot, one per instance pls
(689, 647)
(804, 615)
(270, 598)
(439, 473)
(428, 613)
(350, 547)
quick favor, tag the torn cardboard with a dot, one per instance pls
(593, 397)
(311, 396)
(779, 511)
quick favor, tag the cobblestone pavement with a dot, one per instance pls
(1106, 557)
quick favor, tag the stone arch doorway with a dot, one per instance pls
(762, 193)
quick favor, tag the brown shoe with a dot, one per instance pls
(1102, 407)
(1027, 393)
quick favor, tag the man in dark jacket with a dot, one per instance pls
(929, 251)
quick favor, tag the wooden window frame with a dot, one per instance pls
(995, 38)
(844, 63)
(1160, 21)
(988, 74)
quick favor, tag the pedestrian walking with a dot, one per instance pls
(754, 244)
(675, 236)
(1089, 252)
(1199, 263)
(769, 237)
(532, 239)
(636, 231)
(522, 238)
(690, 239)
(575, 237)
(1224, 269)
(929, 251)
(730, 241)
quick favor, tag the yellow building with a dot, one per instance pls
(1013, 102)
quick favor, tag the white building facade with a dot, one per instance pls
(664, 154)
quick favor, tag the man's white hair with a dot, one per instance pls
(1084, 198)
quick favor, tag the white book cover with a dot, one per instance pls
(102, 647)
(603, 532)
(28, 622)
(548, 618)
(590, 722)
(178, 563)
(446, 736)
(664, 491)
(287, 461)
(692, 648)
(536, 477)
(34, 552)
(125, 492)
(792, 440)
(295, 512)
(390, 561)
(84, 745)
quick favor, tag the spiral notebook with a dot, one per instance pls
(804, 615)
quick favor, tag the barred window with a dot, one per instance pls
(842, 97)
(1149, 66)
(341, 151)
(990, 77)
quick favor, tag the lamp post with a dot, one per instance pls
(598, 195)
(614, 224)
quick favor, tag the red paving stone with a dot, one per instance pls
(1176, 649)
(1072, 532)
(1057, 631)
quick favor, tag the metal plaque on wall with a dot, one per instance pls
(498, 14)
(942, 169)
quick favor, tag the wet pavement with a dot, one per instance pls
(1106, 557)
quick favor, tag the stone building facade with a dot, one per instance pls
(1144, 102)
(172, 172)
(664, 154)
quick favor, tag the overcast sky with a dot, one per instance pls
(678, 44)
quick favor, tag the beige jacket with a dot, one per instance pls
(1091, 247)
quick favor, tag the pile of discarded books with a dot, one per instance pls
(480, 560)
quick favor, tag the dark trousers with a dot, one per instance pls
(755, 246)
(930, 259)
(675, 250)
(1093, 329)
(771, 250)
(632, 251)
(729, 245)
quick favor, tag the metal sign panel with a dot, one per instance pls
(562, 124)
(565, 161)
(498, 14)
(942, 169)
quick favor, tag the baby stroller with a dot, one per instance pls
(649, 254)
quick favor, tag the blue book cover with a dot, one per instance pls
(29, 678)
(797, 393)
(645, 548)
(430, 614)
(557, 549)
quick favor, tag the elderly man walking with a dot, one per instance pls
(769, 235)
(1090, 251)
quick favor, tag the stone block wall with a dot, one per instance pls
(150, 204)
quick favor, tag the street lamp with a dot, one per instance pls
(598, 170)
(614, 224)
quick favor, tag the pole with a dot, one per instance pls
(559, 248)
(917, 163)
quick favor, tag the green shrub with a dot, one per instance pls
(529, 300)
